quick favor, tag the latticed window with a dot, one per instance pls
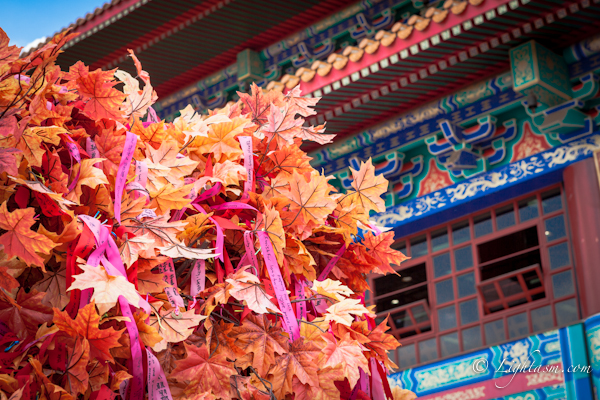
(498, 275)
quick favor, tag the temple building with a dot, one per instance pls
(484, 115)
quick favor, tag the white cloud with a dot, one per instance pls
(33, 44)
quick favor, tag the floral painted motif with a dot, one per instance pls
(525, 169)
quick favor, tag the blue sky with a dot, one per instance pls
(27, 20)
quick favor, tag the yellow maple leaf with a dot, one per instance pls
(368, 188)
(170, 198)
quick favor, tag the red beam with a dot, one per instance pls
(384, 52)
(155, 33)
(265, 38)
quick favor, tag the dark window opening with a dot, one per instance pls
(403, 298)
(408, 277)
(508, 244)
(510, 264)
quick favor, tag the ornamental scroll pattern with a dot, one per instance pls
(511, 174)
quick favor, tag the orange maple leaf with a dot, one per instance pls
(379, 247)
(311, 199)
(298, 362)
(173, 328)
(247, 287)
(149, 282)
(290, 159)
(206, 373)
(170, 198)
(342, 312)
(262, 338)
(76, 376)
(369, 188)
(347, 353)
(103, 100)
(326, 390)
(87, 325)
(270, 222)
(258, 103)
(19, 240)
(148, 333)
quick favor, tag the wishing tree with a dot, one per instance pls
(199, 259)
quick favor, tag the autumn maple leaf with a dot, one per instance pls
(31, 141)
(310, 199)
(379, 247)
(369, 188)
(170, 198)
(148, 333)
(77, 357)
(258, 103)
(89, 176)
(247, 287)
(347, 353)
(53, 284)
(159, 229)
(342, 312)
(107, 288)
(132, 248)
(270, 222)
(262, 338)
(19, 240)
(87, 325)
(205, 372)
(290, 159)
(165, 167)
(173, 328)
(8, 160)
(332, 288)
(326, 390)
(149, 282)
(103, 100)
(25, 314)
(298, 362)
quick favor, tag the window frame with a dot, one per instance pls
(545, 243)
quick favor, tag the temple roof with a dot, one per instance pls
(171, 37)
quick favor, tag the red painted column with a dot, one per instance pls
(583, 202)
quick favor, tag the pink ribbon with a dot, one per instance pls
(158, 388)
(198, 281)
(289, 318)
(135, 385)
(168, 269)
(377, 387)
(140, 181)
(74, 153)
(332, 263)
(234, 205)
(128, 149)
(250, 253)
(220, 236)
(104, 243)
(92, 150)
(246, 144)
(206, 195)
(300, 295)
